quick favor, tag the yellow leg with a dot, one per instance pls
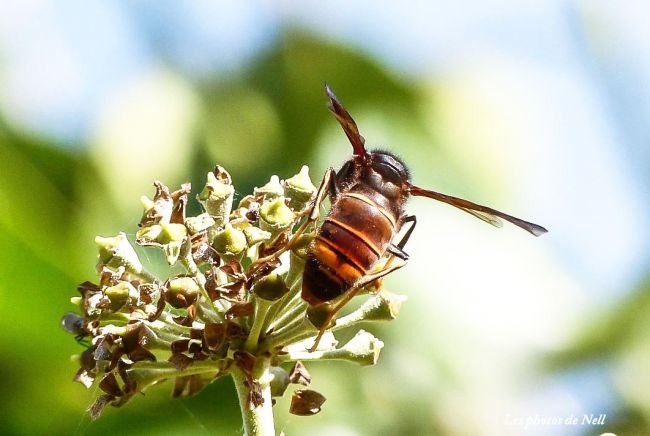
(350, 294)
(313, 217)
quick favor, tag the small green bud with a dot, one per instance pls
(172, 233)
(229, 241)
(149, 234)
(301, 246)
(181, 291)
(317, 315)
(217, 196)
(275, 216)
(279, 381)
(299, 189)
(76, 300)
(160, 209)
(271, 288)
(255, 235)
(273, 189)
(120, 294)
(117, 251)
(197, 224)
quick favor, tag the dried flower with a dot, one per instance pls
(226, 313)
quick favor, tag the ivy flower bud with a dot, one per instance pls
(271, 288)
(217, 195)
(121, 294)
(229, 242)
(181, 291)
(171, 233)
(197, 224)
(275, 216)
(279, 381)
(115, 252)
(299, 189)
(255, 235)
(160, 209)
(273, 189)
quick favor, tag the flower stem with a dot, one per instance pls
(258, 420)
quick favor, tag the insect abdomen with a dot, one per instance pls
(352, 238)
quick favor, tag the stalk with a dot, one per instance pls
(258, 420)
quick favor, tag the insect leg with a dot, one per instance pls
(363, 282)
(326, 186)
(398, 250)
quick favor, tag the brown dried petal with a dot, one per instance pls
(233, 292)
(180, 385)
(279, 243)
(180, 361)
(195, 348)
(233, 269)
(234, 331)
(185, 321)
(130, 386)
(214, 335)
(187, 386)
(306, 402)
(244, 360)
(191, 312)
(300, 375)
(196, 385)
(222, 175)
(84, 377)
(239, 311)
(180, 346)
(160, 307)
(180, 203)
(110, 386)
(203, 252)
(131, 339)
(87, 359)
(253, 212)
(96, 409)
(196, 333)
(211, 284)
(140, 354)
(162, 205)
(88, 288)
(262, 271)
(147, 293)
(102, 352)
(255, 397)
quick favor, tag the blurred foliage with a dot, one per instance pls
(620, 338)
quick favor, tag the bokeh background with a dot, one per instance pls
(540, 109)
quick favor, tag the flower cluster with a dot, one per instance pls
(234, 309)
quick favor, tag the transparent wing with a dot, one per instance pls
(487, 214)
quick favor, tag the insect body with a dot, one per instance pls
(367, 212)
(368, 196)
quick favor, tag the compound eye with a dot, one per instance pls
(389, 173)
